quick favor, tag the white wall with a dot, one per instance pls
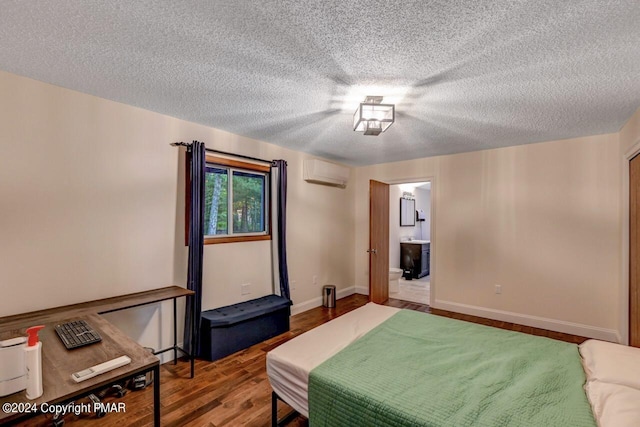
(541, 220)
(93, 206)
(423, 201)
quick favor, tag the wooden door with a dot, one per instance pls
(378, 241)
(634, 252)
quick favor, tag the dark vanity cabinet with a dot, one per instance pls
(415, 257)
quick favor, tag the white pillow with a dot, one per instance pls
(611, 363)
(614, 405)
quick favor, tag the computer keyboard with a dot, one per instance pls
(77, 333)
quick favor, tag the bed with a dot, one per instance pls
(379, 365)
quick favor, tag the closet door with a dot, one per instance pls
(634, 252)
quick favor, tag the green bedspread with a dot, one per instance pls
(425, 370)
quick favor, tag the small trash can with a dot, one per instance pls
(329, 296)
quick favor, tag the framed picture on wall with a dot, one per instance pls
(407, 212)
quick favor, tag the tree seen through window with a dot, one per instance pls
(248, 201)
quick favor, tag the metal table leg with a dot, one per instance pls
(194, 331)
(175, 333)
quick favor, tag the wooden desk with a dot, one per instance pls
(109, 305)
(58, 363)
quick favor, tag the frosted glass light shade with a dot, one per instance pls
(372, 118)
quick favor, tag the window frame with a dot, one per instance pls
(232, 165)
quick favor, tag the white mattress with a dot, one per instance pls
(289, 365)
(612, 370)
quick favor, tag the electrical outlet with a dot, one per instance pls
(315, 280)
(293, 285)
(245, 289)
(498, 289)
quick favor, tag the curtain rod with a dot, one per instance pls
(211, 150)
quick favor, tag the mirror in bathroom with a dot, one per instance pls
(407, 212)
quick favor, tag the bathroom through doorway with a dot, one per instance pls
(410, 241)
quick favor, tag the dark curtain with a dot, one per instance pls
(196, 245)
(281, 192)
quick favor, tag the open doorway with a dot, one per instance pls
(381, 205)
(410, 242)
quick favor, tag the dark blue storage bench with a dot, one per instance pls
(226, 330)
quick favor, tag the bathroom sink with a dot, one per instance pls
(418, 242)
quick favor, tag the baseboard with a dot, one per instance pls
(362, 290)
(167, 356)
(317, 302)
(533, 321)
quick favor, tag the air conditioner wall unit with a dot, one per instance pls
(321, 172)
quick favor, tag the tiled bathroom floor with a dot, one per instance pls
(416, 290)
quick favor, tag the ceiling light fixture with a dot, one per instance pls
(372, 117)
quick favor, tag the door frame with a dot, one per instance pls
(432, 228)
(633, 151)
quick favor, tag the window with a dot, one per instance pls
(236, 205)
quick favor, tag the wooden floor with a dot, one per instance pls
(234, 391)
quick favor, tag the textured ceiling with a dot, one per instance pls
(466, 74)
